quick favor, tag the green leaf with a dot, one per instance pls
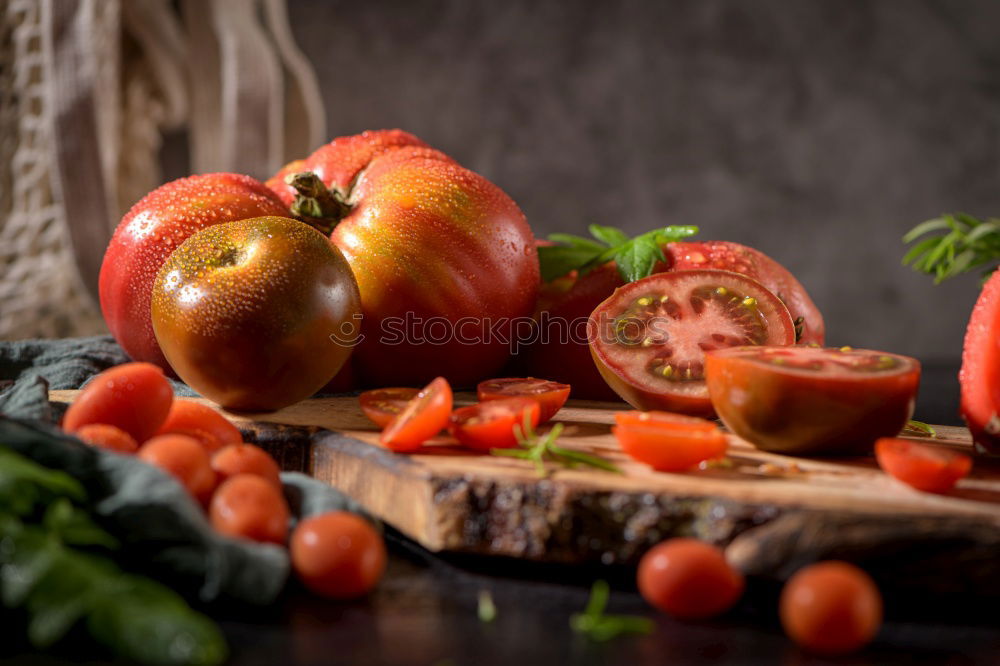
(577, 241)
(597, 626)
(955, 244)
(74, 526)
(637, 258)
(556, 261)
(610, 236)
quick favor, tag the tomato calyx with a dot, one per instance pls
(317, 205)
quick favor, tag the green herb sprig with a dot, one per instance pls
(919, 428)
(597, 626)
(540, 449)
(635, 257)
(953, 244)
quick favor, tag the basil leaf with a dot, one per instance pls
(577, 241)
(556, 261)
(611, 236)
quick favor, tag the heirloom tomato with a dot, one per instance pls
(980, 374)
(550, 396)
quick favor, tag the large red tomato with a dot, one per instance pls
(151, 230)
(444, 258)
(980, 375)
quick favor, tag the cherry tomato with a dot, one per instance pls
(980, 375)
(383, 405)
(134, 397)
(688, 579)
(831, 608)
(806, 400)
(185, 459)
(250, 507)
(668, 442)
(337, 555)
(649, 339)
(242, 458)
(490, 425)
(929, 468)
(107, 437)
(424, 416)
(202, 422)
(551, 396)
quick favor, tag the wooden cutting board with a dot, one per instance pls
(771, 510)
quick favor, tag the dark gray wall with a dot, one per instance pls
(816, 130)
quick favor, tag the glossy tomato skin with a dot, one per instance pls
(247, 506)
(551, 396)
(688, 579)
(185, 459)
(381, 406)
(425, 415)
(135, 397)
(490, 425)
(932, 469)
(440, 254)
(256, 314)
(151, 230)
(189, 417)
(763, 398)
(236, 459)
(105, 436)
(980, 374)
(669, 442)
(653, 377)
(337, 555)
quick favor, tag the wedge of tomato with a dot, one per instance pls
(383, 405)
(980, 374)
(932, 469)
(668, 442)
(551, 396)
(649, 339)
(490, 425)
(424, 416)
(810, 400)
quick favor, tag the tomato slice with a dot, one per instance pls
(929, 468)
(490, 425)
(383, 405)
(424, 416)
(649, 339)
(807, 400)
(980, 374)
(668, 442)
(551, 396)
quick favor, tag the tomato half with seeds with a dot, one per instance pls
(811, 400)
(490, 425)
(649, 339)
(424, 416)
(980, 374)
(933, 469)
(383, 405)
(551, 396)
(668, 442)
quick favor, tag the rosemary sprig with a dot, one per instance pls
(540, 449)
(597, 626)
(953, 244)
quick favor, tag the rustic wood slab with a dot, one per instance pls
(449, 499)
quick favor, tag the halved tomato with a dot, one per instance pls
(932, 469)
(649, 339)
(424, 416)
(807, 400)
(980, 375)
(551, 396)
(490, 425)
(383, 405)
(668, 442)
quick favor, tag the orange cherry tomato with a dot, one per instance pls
(668, 442)
(383, 405)
(134, 397)
(928, 468)
(337, 555)
(688, 579)
(185, 459)
(200, 421)
(242, 458)
(424, 416)
(551, 396)
(250, 507)
(831, 608)
(108, 437)
(490, 425)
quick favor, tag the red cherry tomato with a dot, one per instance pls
(929, 468)
(649, 339)
(185, 459)
(490, 425)
(424, 416)
(383, 405)
(250, 507)
(688, 579)
(134, 397)
(242, 458)
(337, 555)
(806, 400)
(668, 442)
(189, 417)
(108, 437)
(831, 608)
(551, 396)
(980, 375)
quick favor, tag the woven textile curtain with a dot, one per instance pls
(88, 88)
